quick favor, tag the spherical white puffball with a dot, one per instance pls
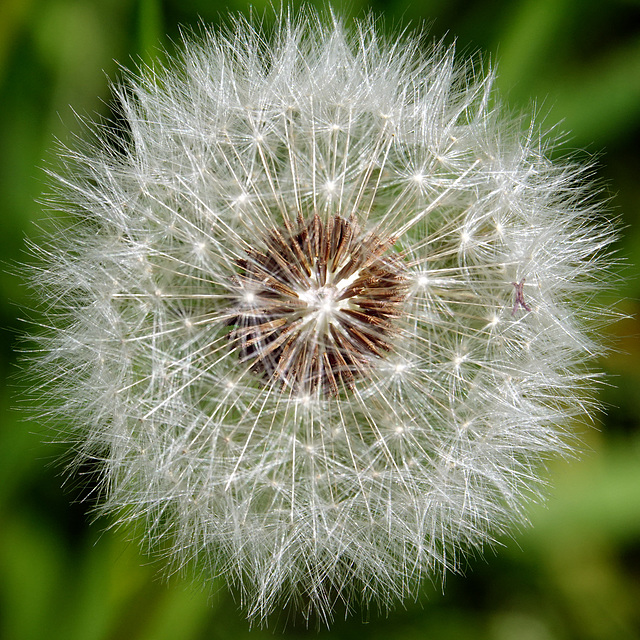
(321, 310)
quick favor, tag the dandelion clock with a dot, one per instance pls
(319, 311)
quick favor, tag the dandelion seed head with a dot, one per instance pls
(289, 318)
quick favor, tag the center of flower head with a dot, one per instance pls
(318, 305)
(321, 301)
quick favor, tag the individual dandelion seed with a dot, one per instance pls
(321, 311)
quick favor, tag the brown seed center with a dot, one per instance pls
(318, 305)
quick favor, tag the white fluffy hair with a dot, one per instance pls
(321, 311)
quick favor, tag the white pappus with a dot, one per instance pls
(321, 310)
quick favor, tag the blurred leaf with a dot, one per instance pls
(181, 613)
(108, 576)
(21, 450)
(150, 30)
(32, 568)
(13, 15)
(601, 102)
(528, 35)
(598, 497)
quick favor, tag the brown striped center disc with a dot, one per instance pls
(318, 305)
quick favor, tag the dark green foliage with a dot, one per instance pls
(574, 575)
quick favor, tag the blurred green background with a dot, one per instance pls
(575, 574)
